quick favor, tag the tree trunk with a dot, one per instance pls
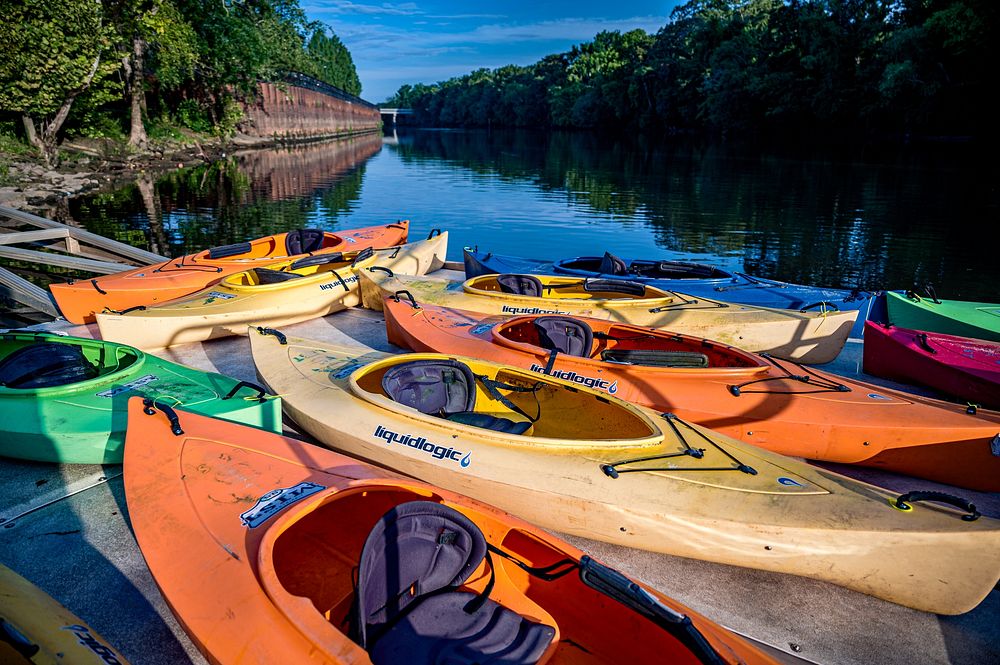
(29, 129)
(137, 136)
(46, 141)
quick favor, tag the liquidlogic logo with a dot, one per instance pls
(84, 637)
(131, 385)
(420, 443)
(336, 285)
(589, 381)
(507, 309)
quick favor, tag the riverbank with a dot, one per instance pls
(93, 165)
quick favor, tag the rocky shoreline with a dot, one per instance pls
(96, 165)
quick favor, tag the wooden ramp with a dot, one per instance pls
(43, 243)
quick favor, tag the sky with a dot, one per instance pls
(393, 43)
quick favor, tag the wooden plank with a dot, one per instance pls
(134, 253)
(32, 236)
(52, 259)
(21, 290)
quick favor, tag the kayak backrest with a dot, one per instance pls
(268, 276)
(303, 241)
(435, 387)
(522, 285)
(223, 251)
(614, 286)
(408, 607)
(565, 335)
(612, 265)
(45, 365)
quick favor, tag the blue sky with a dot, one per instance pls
(431, 40)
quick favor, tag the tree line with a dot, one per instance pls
(96, 66)
(743, 67)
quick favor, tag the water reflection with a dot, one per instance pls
(912, 216)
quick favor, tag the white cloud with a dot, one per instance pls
(347, 7)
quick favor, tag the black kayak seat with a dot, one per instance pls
(45, 365)
(614, 286)
(443, 388)
(565, 335)
(612, 265)
(318, 260)
(408, 608)
(655, 357)
(303, 241)
(522, 285)
(268, 276)
(223, 251)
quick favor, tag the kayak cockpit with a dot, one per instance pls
(292, 243)
(535, 408)
(610, 264)
(32, 361)
(610, 342)
(562, 288)
(372, 559)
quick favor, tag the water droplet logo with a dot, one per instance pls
(613, 388)
(467, 460)
(789, 482)
(877, 396)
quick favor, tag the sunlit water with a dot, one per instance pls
(910, 217)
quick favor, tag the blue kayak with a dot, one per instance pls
(693, 279)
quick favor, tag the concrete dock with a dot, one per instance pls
(66, 529)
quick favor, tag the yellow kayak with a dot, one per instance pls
(280, 294)
(571, 459)
(34, 628)
(802, 336)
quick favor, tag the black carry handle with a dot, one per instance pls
(408, 296)
(151, 408)
(904, 500)
(17, 641)
(821, 303)
(271, 331)
(261, 393)
(434, 232)
(921, 340)
(383, 269)
(929, 288)
(137, 308)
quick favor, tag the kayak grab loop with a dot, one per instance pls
(613, 584)
(152, 406)
(921, 340)
(408, 296)
(434, 232)
(137, 308)
(821, 383)
(929, 289)
(612, 471)
(904, 501)
(382, 269)
(754, 283)
(193, 265)
(99, 289)
(824, 305)
(271, 331)
(261, 393)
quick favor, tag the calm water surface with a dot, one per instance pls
(914, 216)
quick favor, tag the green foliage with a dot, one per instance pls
(190, 114)
(745, 66)
(333, 62)
(10, 144)
(97, 124)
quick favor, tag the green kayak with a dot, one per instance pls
(65, 399)
(979, 320)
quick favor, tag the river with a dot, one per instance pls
(894, 218)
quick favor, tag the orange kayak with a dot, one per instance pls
(80, 300)
(774, 404)
(271, 550)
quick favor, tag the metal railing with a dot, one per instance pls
(303, 81)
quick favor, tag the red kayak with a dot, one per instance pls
(960, 366)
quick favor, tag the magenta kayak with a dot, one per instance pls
(965, 368)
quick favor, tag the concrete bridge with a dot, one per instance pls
(389, 115)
